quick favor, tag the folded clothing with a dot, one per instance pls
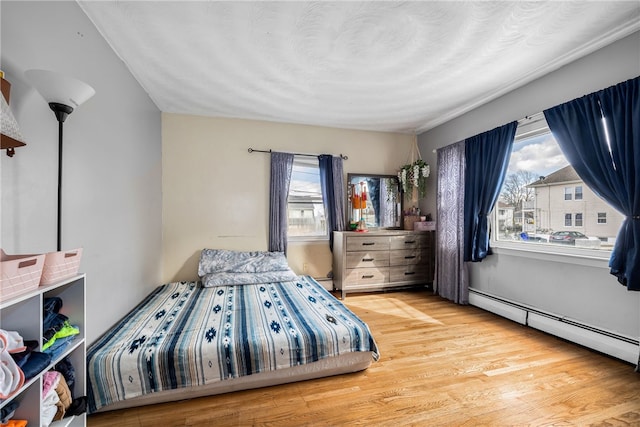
(36, 363)
(53, 320)
(66, 330)
(11, 376)
(7, 411)
(65, 367)
(50, 399)
(59, 346)
(22, 357)
(64, 394)
(15, 423)
(50, 381)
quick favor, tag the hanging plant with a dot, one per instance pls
(414, 176)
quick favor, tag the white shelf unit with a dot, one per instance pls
(23, 313)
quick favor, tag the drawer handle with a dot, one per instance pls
(367, 276)
(409, 273)
(409, 242)
(368, 243)
(410, 257)
(367, 259)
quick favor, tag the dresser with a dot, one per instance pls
(380, 260)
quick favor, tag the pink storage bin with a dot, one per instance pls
(60, 265)
(19, 273)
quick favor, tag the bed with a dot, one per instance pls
(241, 326)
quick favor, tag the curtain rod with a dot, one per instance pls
(251, 150)
(532, 118)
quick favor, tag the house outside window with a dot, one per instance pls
(545, 195)
(578, 192)
(305, 207)
(602, 217)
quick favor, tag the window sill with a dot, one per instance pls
(554, 253)
(307, 239)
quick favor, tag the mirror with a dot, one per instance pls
(374, 198)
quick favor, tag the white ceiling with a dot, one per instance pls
(385, 66)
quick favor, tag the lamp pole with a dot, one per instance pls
(61, 111)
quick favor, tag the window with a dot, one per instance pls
(568, 192)
(578, 193)
(304, 204)
(567, 220)
(538, 196)
(602, 217)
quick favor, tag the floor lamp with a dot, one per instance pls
(63, 93)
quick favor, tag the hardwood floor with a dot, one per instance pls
(441, 365)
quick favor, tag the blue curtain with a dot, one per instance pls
(332, 185)
(487, 158)
(600, 136)
(281, 166)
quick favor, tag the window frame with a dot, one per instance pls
(575, 193)
(569, 217)
(306, 161)
(530, 127)
(568, 194)
(598, 218)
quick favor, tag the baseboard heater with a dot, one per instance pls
(618, 346)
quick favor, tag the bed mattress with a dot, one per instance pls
(186, 341)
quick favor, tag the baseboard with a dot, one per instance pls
(326, 282)
(612, 344)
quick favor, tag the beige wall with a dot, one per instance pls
(215, 194)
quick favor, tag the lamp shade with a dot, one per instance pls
(59, 88)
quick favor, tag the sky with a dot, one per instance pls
(540, 155)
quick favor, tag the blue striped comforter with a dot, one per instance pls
(185, 335)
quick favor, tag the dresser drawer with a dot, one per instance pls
(410, 241)
(406, 257)
(409, 273)
(365, 243)
(364, 259)
(367, 276)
